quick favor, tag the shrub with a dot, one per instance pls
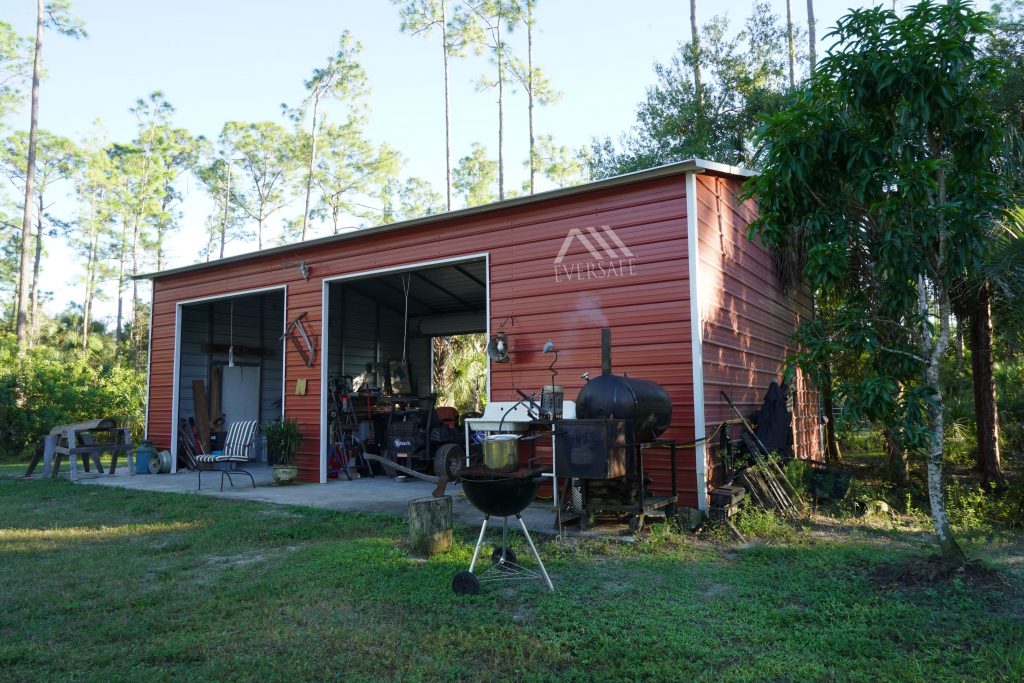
(45, 388)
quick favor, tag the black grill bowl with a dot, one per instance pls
(501, 496)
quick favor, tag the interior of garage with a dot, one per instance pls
(230, 366)
(382, 368)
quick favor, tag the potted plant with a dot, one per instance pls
(283, 439)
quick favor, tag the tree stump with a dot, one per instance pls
(430, 525)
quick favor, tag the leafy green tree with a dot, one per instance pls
(54, 383)
(181, 156)
(94, 235)
(559, 164)
(538, 88)
(348, 172)
(10, 249)
(265, 154)
(56, 15)
(56, 158)
(342, 79)
(878, 182)
(422, 17)
(405, 200)
(226, 222)
(997, 281)
(144, 173)
(475, 177)
(743, 79)
(14, 67)
(460, 372)
(497, 18)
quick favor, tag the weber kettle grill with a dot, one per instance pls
(500, 495)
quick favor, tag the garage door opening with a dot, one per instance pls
(381, 352)
(230, 368)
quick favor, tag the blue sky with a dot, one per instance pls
(222, 60)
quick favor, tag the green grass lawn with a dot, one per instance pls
(107, 584)
(19, 467)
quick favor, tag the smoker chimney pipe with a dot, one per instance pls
(606, 350)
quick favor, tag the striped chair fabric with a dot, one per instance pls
(236, 450)
(237, 444)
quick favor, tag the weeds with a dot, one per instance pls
(753, 522)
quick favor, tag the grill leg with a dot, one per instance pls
(504, 541)
(536, 555)
(479, 542)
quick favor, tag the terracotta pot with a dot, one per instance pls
(285, 474)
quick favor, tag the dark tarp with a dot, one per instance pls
(775, 422)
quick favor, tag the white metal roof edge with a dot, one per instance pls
(678, 168)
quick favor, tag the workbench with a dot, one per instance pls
(80, 439)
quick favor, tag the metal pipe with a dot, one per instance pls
(606, 350)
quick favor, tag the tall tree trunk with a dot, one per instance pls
(812, 40)
(312, 162)
(695, 41)
(501, 115)
(934, 349)
(34, 309)
(529, 92)
(21, 326)
(120, 281)
(447, 112)
(135, 339)
(224, 222)
(90, 273)
(985, 389)
(832, 452)
(791, 44)
(899, 462)
(161, 230)
(958, 345)
(90, 265)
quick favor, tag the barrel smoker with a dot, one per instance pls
(618, 418)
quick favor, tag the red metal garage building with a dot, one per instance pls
(660, 256)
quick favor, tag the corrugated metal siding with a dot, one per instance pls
(747, 320)
(646, 307)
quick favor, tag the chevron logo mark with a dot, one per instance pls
(609, 256)
(596, 243)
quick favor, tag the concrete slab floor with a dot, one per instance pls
(366, 494)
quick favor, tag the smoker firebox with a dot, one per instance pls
(594, 449)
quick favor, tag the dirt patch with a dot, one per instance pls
(278, 513)
(714, 590)
(933, 571)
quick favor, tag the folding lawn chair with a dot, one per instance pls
(236, 450)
